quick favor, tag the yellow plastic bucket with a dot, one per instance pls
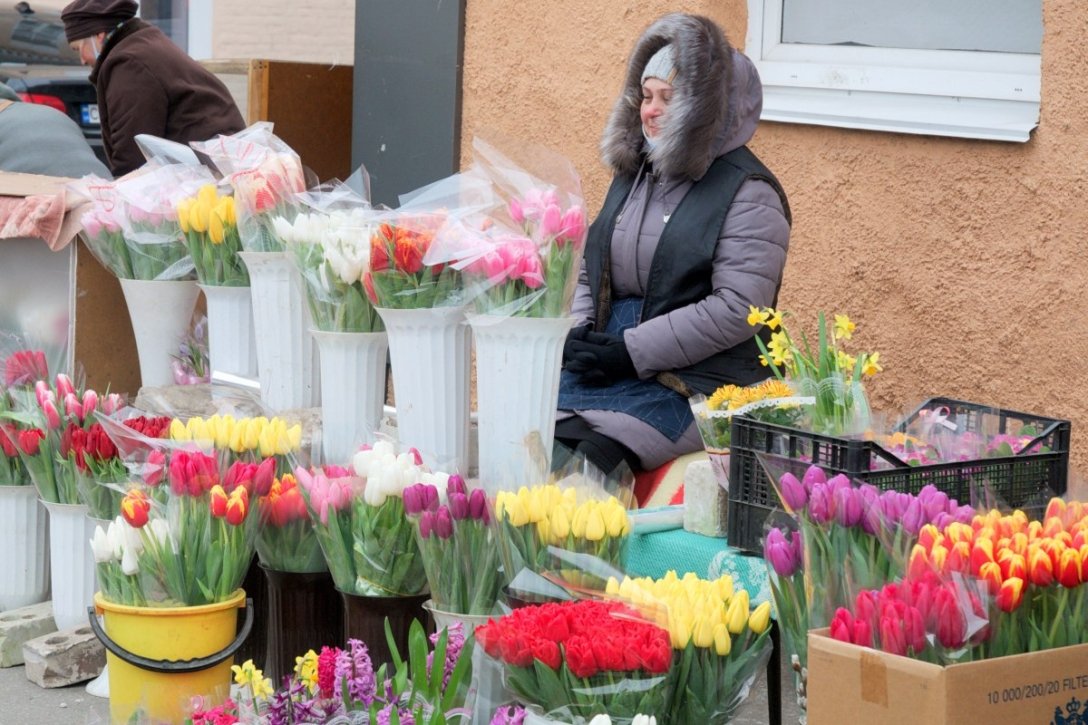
(160, 658)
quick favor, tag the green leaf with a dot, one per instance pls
(398, 663)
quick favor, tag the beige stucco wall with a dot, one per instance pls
(963, 262)
(317, 31)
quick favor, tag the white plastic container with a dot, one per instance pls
(352, 390)
(24, 541)
(232, 347)
(160, 314)
(71, 563)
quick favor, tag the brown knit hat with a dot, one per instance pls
(84, 18)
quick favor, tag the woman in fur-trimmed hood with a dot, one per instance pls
(693, 231)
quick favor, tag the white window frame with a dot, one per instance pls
(981, 95)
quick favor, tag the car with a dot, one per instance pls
(37, 63)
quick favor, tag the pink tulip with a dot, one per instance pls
(813, 475)
(64, 385)
(477, 505)
(551, 221)
(573, 226)
(90, 402)
(52, 417)
(113, 403)
(42, 392)
(154, 468)
(456, 484)
(516, 212)
(91, 224)
(794, 493)
(458, 506)
(443, 523)
(72, 407)
(530, 271)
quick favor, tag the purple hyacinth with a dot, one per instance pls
(385, 716)
(794, 493)
(354, 667)
(455, 642)
(509, 715)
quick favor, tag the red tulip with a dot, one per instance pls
(263, 476)
(991, 574)
(135, 507)
(981, 553)
(892, 639)
(1013, 566)
(30, 440)
(218, 502)
(1069, 568)
(1040, 568)
(8, 436)
(237, 506)
(1011, 594)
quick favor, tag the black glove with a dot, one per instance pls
(600, 359)
(576, 333)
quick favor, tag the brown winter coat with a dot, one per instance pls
(146, 84)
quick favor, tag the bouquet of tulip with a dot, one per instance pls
(150, 223)
(243, 439)
(785, 556)
(328, 493)
(265, 174)
(387, 557)
(92, 461)
(116, 554)
(825, 371)
(286, 540)
(197, 547)
(332, 252)
(456, 542)
(428, 687)
(574, 660)
(402, 275)
(772, 401)
(719, 645)
(102, 227)
(12, 470)
(570, 529)
(210, 227)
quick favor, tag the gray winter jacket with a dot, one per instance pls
(35, 139)
(710, 115)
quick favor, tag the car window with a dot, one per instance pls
(31, 32)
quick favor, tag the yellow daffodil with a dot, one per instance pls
(844, 328)
(306, 670)
(845, 361)
(774, 320)
(757, 316)
(871, 366)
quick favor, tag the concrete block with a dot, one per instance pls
(19, 626)
(706, 501)
(64, 658)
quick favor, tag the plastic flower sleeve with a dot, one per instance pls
(329, 241)
(574, 660)
(150, 224)
(533, 264)
(209, 223)
(265, 174)
(101, 222)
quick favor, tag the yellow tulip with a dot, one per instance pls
(227, 205)
(616, 519)
(680, 630)
(612, 587)
(560, 526)
(222, 430)
(266, 441)
(294, 437)
(595, 525)
(215, 227)
(579, 520)
(178, 431)
(760, 619)
(703, 632)
(198, 217)
(183, 214)
(500, 504)
(253, 433)
(736, 616)
(516, 512)
(206, 195)
(725, 587)
(723, 643)
(198, 429)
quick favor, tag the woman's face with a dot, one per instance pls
(88, 48)
(656, 95)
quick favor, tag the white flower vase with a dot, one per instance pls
(352, 390)
(160, 314)
(518, 361)
(486, 691)
(99, 686)
(71, 563)
(24, 541)
(429, 351)
(231, 344)
(281, 323)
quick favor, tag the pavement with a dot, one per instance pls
(24, 703)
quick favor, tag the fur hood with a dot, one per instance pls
(716, 102)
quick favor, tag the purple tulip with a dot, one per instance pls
(812, 476)
(913, 518)
(430, 497)
(413, 499)
(477, 505)
(838, 482)
(797, 543)
(848, 506)
(456, 484)
(426, 524)
(890, 511)
(794, 494)
(964, 514)
(941, 520)
(933, 502)
(821, 504)
(780, 553)
(443, 524)
(458, 506)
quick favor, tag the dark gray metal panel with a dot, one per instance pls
(407, 95)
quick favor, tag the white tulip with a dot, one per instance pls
(100, 546)
(284, 229)
(129, 563)
(602, 720)
(644, 720)
(373, 493)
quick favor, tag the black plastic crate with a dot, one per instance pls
(1026, 481)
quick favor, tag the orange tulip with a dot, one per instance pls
(1052, 527)
(219, 501)
(1019, 543)
(959, 557)
(135, 507)
(1083, 551)
(957, 532)
(929, 536)
(1035, 530)
(1040, 568)
(919, 564)
(1055, 508)
(981, 553)
(938, 558)
(237, 506)
(1013, 565)
(1011, 594)
(1069, 569)
(990, 572)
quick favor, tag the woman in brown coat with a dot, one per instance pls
(145, 83)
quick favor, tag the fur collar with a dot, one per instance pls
(690, 136)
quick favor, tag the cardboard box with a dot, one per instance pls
(57, 286)
(861, 686)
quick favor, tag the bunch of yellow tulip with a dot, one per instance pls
(250, 439)
(211, 233)
(719, 643)
(534, 519)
